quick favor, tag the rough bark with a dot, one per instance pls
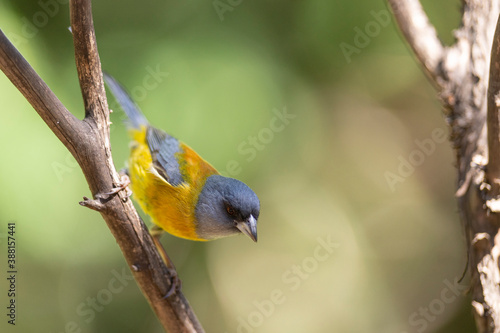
(470, 96)
(88, 141)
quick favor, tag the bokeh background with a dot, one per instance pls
(355, 166)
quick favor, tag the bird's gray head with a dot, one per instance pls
(226, 207)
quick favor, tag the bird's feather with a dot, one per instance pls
(164, 152)
(133, 112)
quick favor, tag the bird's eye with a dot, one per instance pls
(230, 210)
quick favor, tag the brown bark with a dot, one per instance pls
(88, 141)
(467, 77)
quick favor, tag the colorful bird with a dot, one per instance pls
(181, 192)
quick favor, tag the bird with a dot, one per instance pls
(182, 193)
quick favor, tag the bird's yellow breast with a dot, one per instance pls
(170, 207)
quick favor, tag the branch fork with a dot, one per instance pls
(89, 142)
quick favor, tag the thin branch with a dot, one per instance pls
(64, 124)
(420, 34)
(152, 276)
(493, 116)
(89, 70)
(88, 141)
(88, 64)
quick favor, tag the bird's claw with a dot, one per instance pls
(120, 186)
(175, 284)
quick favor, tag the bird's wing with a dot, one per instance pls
(164, 149)
(194, 168)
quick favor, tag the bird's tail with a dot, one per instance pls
(134, 114)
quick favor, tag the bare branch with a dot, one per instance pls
(472, 111)
(88, 141)
(64, 125)
(421, 35)
(153, 277)
(88, 64)
(493, 117)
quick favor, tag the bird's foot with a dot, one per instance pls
(175, 283)
(156, 232)
(120, 186)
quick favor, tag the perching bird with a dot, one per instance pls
(181, 192)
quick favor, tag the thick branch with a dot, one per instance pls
(471, 109)
(493, 117)
(420, 34)
(88, 141)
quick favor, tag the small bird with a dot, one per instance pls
(181, 192)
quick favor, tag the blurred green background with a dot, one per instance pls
(361, 112)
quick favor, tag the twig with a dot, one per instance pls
(420, 34)
(88, 141)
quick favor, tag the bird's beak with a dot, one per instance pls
(249, 227)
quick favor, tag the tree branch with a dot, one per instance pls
(88, 141)
(88, 62)
(471, 109)
(421, 35)
(493, 118)
(488, 255)
(64, 125)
